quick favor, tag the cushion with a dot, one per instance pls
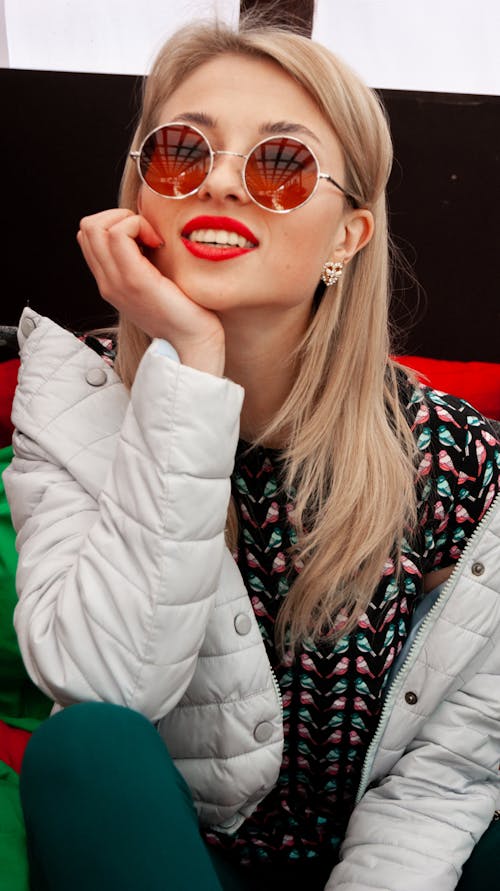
(21, 703)
(8, 381)
(477, 382)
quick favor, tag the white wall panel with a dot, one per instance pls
(439, 45)
(109, 36)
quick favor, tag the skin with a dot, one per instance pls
(242, 317)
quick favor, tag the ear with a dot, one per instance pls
(353, 234)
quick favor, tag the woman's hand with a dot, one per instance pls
(136, 288)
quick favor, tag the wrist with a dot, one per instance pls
(207, 357)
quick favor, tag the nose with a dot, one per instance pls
(225, 180)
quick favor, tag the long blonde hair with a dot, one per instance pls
(350, 455)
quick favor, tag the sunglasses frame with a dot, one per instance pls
(212, 153)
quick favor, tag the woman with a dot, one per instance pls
(353, 492)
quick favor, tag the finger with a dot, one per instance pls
(104, 219)
(93, 237)
(92, 240)
(125, 239)
(114, 257)
(114, 232)
(138, 228)
(99, 260)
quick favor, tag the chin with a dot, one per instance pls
(210, 295)
(218, 303)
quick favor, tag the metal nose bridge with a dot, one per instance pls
(234, 154)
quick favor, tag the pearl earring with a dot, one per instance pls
(331, 273)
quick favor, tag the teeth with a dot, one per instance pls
(220, 237)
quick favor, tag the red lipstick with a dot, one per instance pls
(215, 252)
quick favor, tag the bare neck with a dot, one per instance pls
(261, 357)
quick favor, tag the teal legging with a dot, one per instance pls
(105, 808)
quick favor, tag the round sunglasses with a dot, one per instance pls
(279, 174)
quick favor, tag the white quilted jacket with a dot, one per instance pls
(128, 594)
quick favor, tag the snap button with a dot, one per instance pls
(411, 697)
(477, 568)
(96, 377)
(242, 623)
(28, 325)
(263, 732)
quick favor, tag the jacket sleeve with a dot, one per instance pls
(416, 828)
(116, 587)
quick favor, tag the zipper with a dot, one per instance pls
(413, 651)
(277, 689)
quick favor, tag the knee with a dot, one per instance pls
(97, 757)
(82, 737)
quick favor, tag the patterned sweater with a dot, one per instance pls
(333, 693)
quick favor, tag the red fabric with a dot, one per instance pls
(477, 382)
(13, 742)
(8, 381)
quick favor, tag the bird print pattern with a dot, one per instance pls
(333, 692)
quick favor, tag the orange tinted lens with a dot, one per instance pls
(281, 173)
(175, 160)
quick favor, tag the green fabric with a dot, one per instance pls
(21, 703)
(482, 870)
(13, 859)
(106, 808)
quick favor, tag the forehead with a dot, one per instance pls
(241, 93)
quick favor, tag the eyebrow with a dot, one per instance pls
(287, 127)
(200, 119)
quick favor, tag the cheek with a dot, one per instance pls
(302, 253)
(289, 280)
(143, 200)
(146, 206)
(158, 211)
(162, 217)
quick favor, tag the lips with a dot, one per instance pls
(207, 232)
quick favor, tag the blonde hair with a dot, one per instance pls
(350, 455)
